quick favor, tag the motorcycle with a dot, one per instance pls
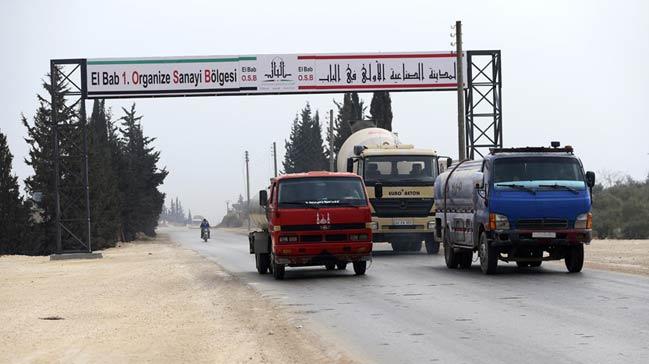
(205, 234)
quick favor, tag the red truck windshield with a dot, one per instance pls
(321, 192)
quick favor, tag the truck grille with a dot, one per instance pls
(323, 227)
(540, 224)
(398, 207)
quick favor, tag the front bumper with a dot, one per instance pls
(564, 237)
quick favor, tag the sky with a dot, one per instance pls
(573, 71)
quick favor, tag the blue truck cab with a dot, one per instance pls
(523, 205)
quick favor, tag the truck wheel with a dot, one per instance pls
(341, 266)
(360, 267)
(522, 264)
(415, 246)
(278, 271)
(432, 247)
(536, 264)
(330, 266)
(397, 246)
(262, 261)
(450, 256)
(464, 259)
(488, 255)
(575, 258)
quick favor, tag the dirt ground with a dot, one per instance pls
(628, 256)
(143, 302)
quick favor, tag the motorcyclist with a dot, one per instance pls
(205, 226)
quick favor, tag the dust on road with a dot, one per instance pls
(143, 302)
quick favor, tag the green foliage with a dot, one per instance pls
(622, 210)
(14, 212)
(102, 177)
(351, 109)
(39, 139)
(139, 179)
(381, 110)
(304, 148)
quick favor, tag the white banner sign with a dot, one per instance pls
(270, 74)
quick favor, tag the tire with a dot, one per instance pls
(536, 264)
(360, 267)
(488, 255)
(464, 258)
(450, 256)
(262, 261)
(575, 258)
(278, 270)
(341, 266)
(330, 266)
(415, 246)
(522, 264)
(432, 247)
(398, 246)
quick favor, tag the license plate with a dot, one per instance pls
(544, 234)
(402, 222)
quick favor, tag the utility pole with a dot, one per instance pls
(275, 158)
(247, 190)
(460, 92)
(331, 140)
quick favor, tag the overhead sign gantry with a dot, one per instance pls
(107, 78)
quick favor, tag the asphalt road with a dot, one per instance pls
(412, 309)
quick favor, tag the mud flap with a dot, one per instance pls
(259, 242)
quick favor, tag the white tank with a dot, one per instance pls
(368, 137)
(460, 192)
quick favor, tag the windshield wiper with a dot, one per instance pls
(517, 186)
(558, 186)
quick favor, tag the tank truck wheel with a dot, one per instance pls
(341, 266)
(464, 259)
(575, 258)
(330, 266)
(415, 246)
(360, 267)
(262, 262)
(488, 255)
(432, 247)
(449, 252)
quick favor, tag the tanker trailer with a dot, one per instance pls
(405, 216)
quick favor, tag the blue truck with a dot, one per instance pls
(524, 205)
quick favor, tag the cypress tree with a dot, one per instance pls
(139, 179)
(39, 139)
(351, 109)
(104, 193)
(304, 149)
(14, 212)
(381, 110)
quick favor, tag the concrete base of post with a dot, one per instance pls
(67, 256)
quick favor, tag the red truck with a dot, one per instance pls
(311, 219)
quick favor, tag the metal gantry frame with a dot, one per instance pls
(483, 103)
(70, 159)
(483, 130)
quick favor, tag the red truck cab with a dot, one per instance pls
(314, 218)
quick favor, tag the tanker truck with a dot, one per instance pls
(524, 205)
(404, 216)
(311, 219)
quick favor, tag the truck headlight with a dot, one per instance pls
(372, 225)
(498, 222)
(431, 225)
(584, 221)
